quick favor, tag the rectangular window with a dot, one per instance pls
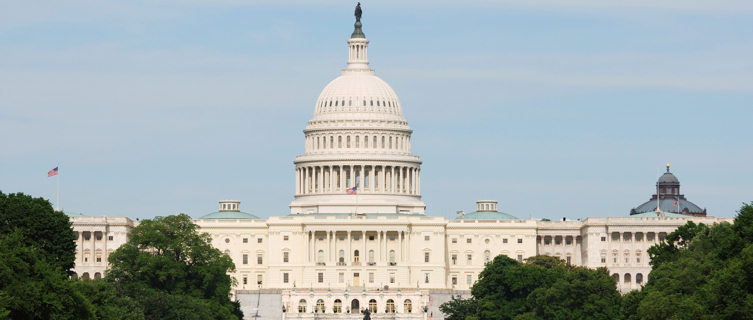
(603, 259)
(99, 259)
(469, 258)
(371, 238)
(285, 257)
(342, 237)
(371, 277)
(285, 238)
(426, 278)
(245, 240)
(258, 240)
(392, 278)
(392, 237)
(568, 260)
(99, 237)
(469, 279)
(520, 240)
(426, 257)
(469, 240)
(504, 240)
(454, 259)
(259, 259)
(356, 237)
(245, 259)
(520, 258)
(454, 280)
(109, 238)
(454, 240)
(245, 280)
(285, 277)
(340, 277)
(427, 238)
(258, 279)
(320, 277)
(603, 239)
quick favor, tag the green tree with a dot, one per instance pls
(173, 272)
(701, 272)
(32, 288)
(41, 227)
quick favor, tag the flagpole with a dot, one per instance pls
(57, 201)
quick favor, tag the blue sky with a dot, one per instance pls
(554, 108)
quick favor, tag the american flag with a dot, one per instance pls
(351, 190)
(52, 172)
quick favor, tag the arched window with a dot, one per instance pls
(390, 307)
(319, 306)
(355, 256)
(487, 256)
(302, 306)
(407, 306)
(355, 306)
(320, 256)
(338, 306)
(372, 306)
(97, 276)
(639, 278)
(347, 142)
(627, 278)
(371, 256)
(616, 277)
(392, 256)
(341, 255)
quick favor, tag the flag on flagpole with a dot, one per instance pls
(352, 190)
(674, 203)
(52, 172)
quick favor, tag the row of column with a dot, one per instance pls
(382, 252)
(388, 142)
(82, 251)
(368, 178)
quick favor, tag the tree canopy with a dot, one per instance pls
(173, 272)
(541, 288)
(41, 227)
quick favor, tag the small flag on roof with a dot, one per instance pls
(52, 172)
(351, 190)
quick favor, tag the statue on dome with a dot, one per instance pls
(358, 12)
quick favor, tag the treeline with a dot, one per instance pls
(166, 270)
(698, 272)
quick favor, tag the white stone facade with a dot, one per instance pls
(96, 239)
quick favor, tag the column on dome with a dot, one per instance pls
(361, 181)
(352, 177)
(383, 181)
(331, 184)
(372, 181)
(303, 180)
(320, 179)
(419, 182)
(342, 179)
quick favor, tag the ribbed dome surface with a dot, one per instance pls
(669, 178)
(358, 92)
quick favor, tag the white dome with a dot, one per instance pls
(357, 92)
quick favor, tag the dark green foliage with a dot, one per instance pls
(41, 227)
(173, 272)
(32, 288)
(701, 272)
(542, 288)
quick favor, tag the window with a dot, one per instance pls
(454, 280)
(568, 260)
(392, 256)
(356, 237)
(285, 277)
(319, 306)
(390, 307)
(426, 238)
(321, 238)
(426, 278)
(603, 256)
(520, 240)
(392, 237)
(99, 258)
(245, 280)
(341, 237)
(341, 257)
(520, 258)
(320, 256)
(258, 279)
(469, 258)
(245, 258)
(371, 256)
(259, 259)
(486, 240)
(227, 240)
(371, 277)
(407, 306)
(355, 256)
(487, 256)
(320, 277)
(99, 237)
(426, 256)
(639, 278)
(614, 256)
(302, 306)
(245, 240)
(341, 277)
(109, 238)
(392, 278)
(338, 306)
(504, 240)
(371, 238)
(469, 279)
(637, 257)
(285, 238)
(468, 240)
(603, 239)
(258, 240)
(454, 259)
(286, 257)
(454, 240)
(372, 306)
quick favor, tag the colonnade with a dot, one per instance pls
(368, 179)
(353, 241)
(318, 142)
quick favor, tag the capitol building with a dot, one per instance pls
(358, 235)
